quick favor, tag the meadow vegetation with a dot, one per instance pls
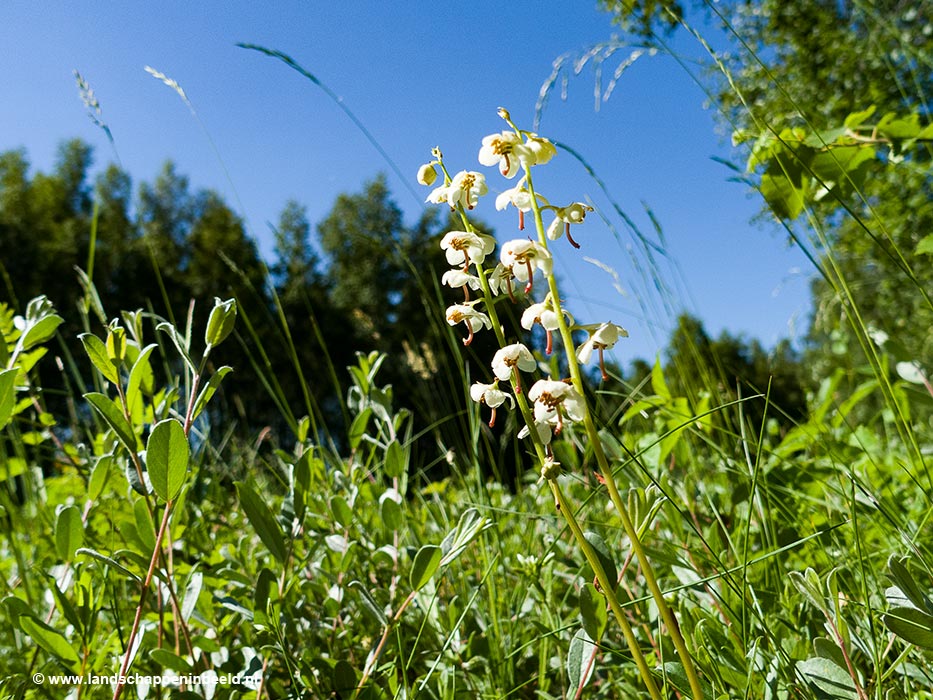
(289, 473)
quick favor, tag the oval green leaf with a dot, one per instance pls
(167, 458)
(69, 532)
(426, 563)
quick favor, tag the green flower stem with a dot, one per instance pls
(608, 587)
(606, 470)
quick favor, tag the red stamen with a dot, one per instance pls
(492, 419)
(518, 380)
(602, 367)
(521, 220)
(531, 276)
(469, 338)
(508, 285)
(570, 238)
(504, 164)
(550, 342)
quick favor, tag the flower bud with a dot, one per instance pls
(504, 114)
(427, 174)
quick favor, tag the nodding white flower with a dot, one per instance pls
(522, 256)
(458, 278)
(438, 195)
(501, 278)
(464, 248)
(507, 150)
(555, 401)
(541, 149)
(543, 313)
(490, 395)
(427, 174)
(508, 360)
(520, 198)
(602, 337)
(466, 314)
(466, 188)
(542, 429)
(571, 214)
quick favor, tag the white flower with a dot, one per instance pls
(427, 174)
(466, 188)
(506, 150)
(490, 395)
(541, 149)
(542, 429)
(602, 337)
(458, 278)
(464, 248)
(510, 359)
(573, 213)
(555, 401)
(520, 198)
(543, 313)
(501, 278)
(438, 195)
(522, 256)
(466, 314)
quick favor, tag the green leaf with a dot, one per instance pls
(911, 625)
(344, 678)
(262, 520)
(395, 462)
(167, 454)
(141, 381)
(96, 351)
(114, 418)
(604, 555)
(358, 427)
(471, 523)
(179, 343)
(69, 532)
(99, 476)
(593, 611)
(40, 331)
(856, 119)
(657, 381)
(192, 593)
(811, 586)
(7, 395)
(207, 393)
(390, 510)
(426, 563)
(369, 603)
(925, 246)
(580, 660)
(829, 678)
(221, 322)
(50, 639)
(907, 585)
(109, 562)
(166, 659)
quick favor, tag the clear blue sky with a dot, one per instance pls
(417, 75)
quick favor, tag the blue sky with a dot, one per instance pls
(417, 75)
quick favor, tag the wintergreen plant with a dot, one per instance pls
(552, 405)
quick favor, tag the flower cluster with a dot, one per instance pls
(551, 403)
